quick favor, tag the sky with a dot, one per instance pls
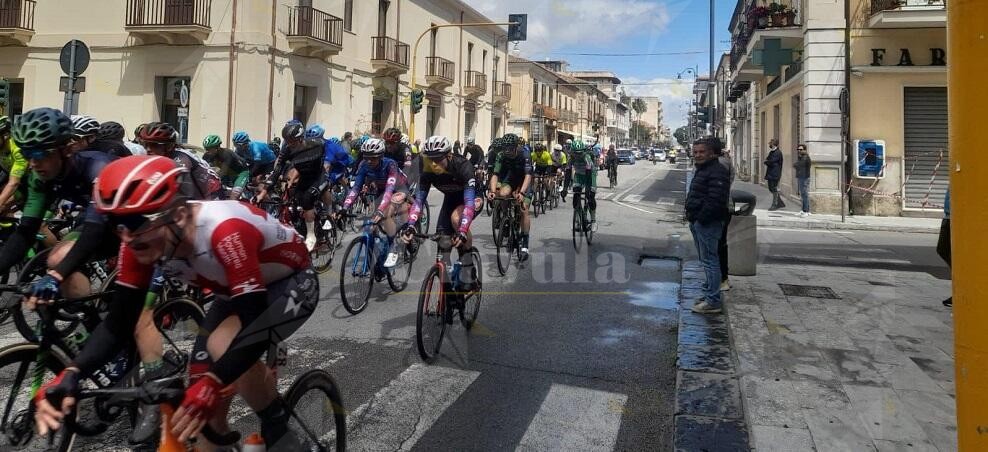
(677, 29)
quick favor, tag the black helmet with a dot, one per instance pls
(41, 129)
(293, 130)
(111, 130)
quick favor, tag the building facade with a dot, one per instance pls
(251, 65)
(788, 81)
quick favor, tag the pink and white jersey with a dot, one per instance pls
(238, 249)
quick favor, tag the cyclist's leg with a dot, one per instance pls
(307, 192)
(592, 196)
(77, 285)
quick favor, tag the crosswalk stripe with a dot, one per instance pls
(399, 414)
(633, 198)
(573, 418)
(605, 195)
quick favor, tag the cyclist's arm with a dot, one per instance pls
(389, 188)
(90, 238)
(8, 190)
(358, 183)
(24, 237)
(420, 199)
(18, 168)
(467, 172)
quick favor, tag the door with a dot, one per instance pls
(432, 119)
(382, 17)
(927, 157)
(796, 134)
(303, 102)
(303, 17)
(377, 116)
(171, 109)
(179, 12)
(10, 14)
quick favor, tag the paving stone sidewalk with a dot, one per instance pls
(869, 370)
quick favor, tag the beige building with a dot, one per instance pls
(252, 65)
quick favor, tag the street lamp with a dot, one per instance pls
(695, 70)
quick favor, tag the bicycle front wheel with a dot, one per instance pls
(505, 245)
(179, 320)
(471, 303)
(398, 276)
(577, 223)
(430, 322)
(356, 275)
(22, 370)
(587, 226)
(317, 409)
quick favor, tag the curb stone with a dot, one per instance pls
(821, 225)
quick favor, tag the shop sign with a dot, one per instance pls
(938, 57)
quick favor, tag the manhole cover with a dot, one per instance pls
(796, 290)
(659, 262)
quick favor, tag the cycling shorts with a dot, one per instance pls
(527, 194)
(451, 202)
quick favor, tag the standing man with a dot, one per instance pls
(706, 211)
(725, 159)
(802, 167)
(773, 173)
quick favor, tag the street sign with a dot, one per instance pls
(518, 30)
(81, 55)
(79, 86)
(183, 95)
(183, 112)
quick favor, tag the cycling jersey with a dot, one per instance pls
(457, 181)
(338, 159)
(387, 177)
(306, 157)
(233, 170)
(135, 149)
(559, 159)
(474, 154)
(398, 152)
(11, 159)
(512, 171)
(543, 158)
(203, 182)
(259, 153)
(115, 148)
(582, 160)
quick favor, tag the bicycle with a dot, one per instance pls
(538, 193)
(507, 231)
(442, 293)
(582, 229)
(612, 174)
(363, 263)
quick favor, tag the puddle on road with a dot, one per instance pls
(660, 295)
(659, 263)
(612, 336)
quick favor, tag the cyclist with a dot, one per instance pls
(512, 176)
(305, 155)
(611, 161)
(234, 171)
(110, 139)
(392, 186)
(258, 154)
(14, 166)
(84, 130)
(585, 175)
(493, 150)
(258, 268)
(397, 147)
(542, 159)
(160, 138)
(473, 152)
(560, 167)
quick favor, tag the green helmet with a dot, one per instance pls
(41, 129)
(212, 141)
(578, 146)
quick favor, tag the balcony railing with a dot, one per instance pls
(306, 21)
(757, 15)
(17, 14)
(773, 85)
(502, 90)
(878, 6)
(475, 81)
(794, 69)
(389, 50)
(440, 67)
(151, 13)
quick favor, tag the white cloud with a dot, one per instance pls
(593, 24)
(674, 94)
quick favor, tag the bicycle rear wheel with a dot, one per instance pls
(398, 276)
(317, 408)
(588, 228)
(20, 372)
(505, 245)
(471, 303)
(577, 227)
(356, 275)
(322, 254)
(430, 321)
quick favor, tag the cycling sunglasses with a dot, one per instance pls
(36, 154)
(134, 223)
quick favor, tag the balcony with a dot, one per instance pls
(168, 21)
(753, 22)
(439, 72)
(314, 33)
(389, 56)
(474, 84)
(502, 92)
(16, 22)
(908, 14)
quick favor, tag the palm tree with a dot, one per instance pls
(640, 107)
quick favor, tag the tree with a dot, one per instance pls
(682, 136)
(643, 131)
(639, 106)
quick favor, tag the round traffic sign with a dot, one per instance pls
(81, 57)
(183, 95)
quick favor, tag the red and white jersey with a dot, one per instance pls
(238, 249)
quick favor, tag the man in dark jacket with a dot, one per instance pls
(706, 211)
(773, 173)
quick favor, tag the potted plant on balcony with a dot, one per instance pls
(780, 14)
(758, 17)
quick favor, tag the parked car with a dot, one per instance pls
(658, 155)
(626, 156)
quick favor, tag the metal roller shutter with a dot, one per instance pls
(927, 160)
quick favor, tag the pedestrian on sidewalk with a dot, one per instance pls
(802, 167)
(725, 159)
(706, 211)
(773, 173)
(943, 243)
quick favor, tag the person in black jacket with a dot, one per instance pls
(773, 173)
(706, 212)
(802, 167)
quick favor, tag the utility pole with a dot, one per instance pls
(968, 182)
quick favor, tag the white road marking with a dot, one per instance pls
(633, 198)
(575, 419)
(826, 231)
(633, 207)
(398, 415)
(604, 196)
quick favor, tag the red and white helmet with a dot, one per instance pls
(139, 184)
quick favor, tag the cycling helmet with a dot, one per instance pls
(315, 131)
(511, 139)
(557, 147)
(241, 137)
(158, 132)
(374, 147)
(84, 126)
(578, 146)
(138, 184)
(471, 140)
(539, 147)
(293, 130)
(212, 141)
(334, 140)
(437, 146)
(41, 129)
(404, 139)
(596, 147)
(111, 130)
(391, 135)
(359, 142)
(137, 131)
(4, 125)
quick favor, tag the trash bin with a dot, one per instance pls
(742, 235)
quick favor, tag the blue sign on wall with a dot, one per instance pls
(870, 159)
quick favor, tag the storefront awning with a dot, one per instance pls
(567, 132)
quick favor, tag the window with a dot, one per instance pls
(469, 56)
(377, 116)
(382, 17)
(432, 119)
(171, 109)
(16, 106)
(497, 61)
(469, 118)
(432, 40)
(303, 103)
(483, 63)
(776, 121)
(348, 15)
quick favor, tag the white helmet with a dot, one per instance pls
(569, 141)
(557, 147)
(470, 140)
(84, 126)
(437, 146)
(373, 147)
(404, 139)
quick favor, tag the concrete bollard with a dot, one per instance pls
(742, 241)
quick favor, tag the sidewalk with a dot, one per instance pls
(788, 216)
(859, 361)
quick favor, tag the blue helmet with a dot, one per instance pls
(241, 137)
(334, 140)
(360, 141)
(315, 131)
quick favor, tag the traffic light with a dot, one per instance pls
(417, 97)
(518, 30)
(703, 114)
(4, 92)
